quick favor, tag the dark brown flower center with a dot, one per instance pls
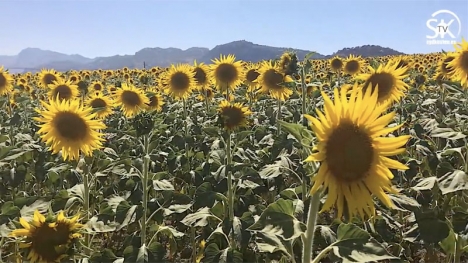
(352, 66)
(336, 64)
(63, 91)
(252, 75)
(70, 126)
(200, 76)
(49, 78)
(98, 103)
(3, 80)
(349, 152)
(385, 82)
(130, 98)
(226, 73)
(179, 81)
(272, 79)
(464, 62)
(232, 117)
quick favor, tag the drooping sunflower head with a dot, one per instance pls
(201, 75)
(6, 82)
(156, 102)
(179, 81)
(251, 75)
(272, 81)
(102, 105)
(460, 63)
(69, 127)
(233, 115)
(353, 154)
(47, 76)
(63, 90)
(130, 99)
(288, 63)
(48, 239)
(226, 72)
(336, 64)
(353, 65)
(388, 80)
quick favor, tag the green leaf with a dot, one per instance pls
(351, 231)
(199, 218)
(299, 132)
(453, 182)
(447, 133)
(142, 255)
(162, 185)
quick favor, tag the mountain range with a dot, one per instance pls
(34, 59)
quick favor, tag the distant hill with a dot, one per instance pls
(33, 59)
(367, 51)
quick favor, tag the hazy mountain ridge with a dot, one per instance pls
(33, 59)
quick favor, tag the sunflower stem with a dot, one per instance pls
(144, 181)
(86, 202)
(308, 239)
(206, 101)
(229, 181)
(278, 117)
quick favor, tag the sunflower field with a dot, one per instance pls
(290, 160)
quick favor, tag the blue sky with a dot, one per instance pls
(110, 27)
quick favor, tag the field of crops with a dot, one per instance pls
(292, 160)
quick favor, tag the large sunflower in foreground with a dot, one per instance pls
(273, 81)
(6, 82)
(48, 239)
(387, 80)
(179, 81)
(102, 105)
(69, 127)
(460, 63)
(227, 73)
(131, 100)
(63, 90)
(354, 156)
(47, 77)
(233, 115)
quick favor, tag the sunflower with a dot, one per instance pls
(443, 66)
(101, 104)
(69, 127)
(336, 63)
(288, 63)
(233, 115)
(63, 90)
(178, 81)
(226, 72)
(201, 75)
(388, 80)
(48, 239)
(156, 102)
(460, 63)
(353, 154)
(251, 75)
(131, 99)
(48, 76)
(353, 65)
(96, 86)
(6, 82)
(272, 81)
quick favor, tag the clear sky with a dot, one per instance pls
(109, 27)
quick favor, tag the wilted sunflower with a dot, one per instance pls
(63, 90)
(156, 102)
(233, 115)
(48, 76)
(178, 81)
(48, 240)
(336, 64)
(288, 63)
(69, 127)
(6, 82)
(227, 73)
(131, 100)
(273, 81)
(102, 105)
(460, 63)
(202, 79)
(354, 156)
(353, 65)
(387, 79)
